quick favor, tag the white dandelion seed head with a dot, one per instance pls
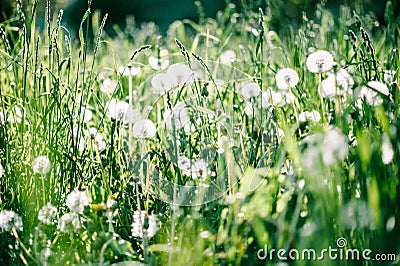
(228, 57)
(99, 141)
(9, 220)
(344, 80)
(47, 214)
(286, 78)
(387, 150)
(142, 220)
(144, 129)
(129, 70)
(108, 86)
(329, 87)
(265, 97)
(277, 98)
(370, 96)
(87, 114)
(179, 74)
(250, 90)
(41, 165)
(335, 147)
(76, 201)
(158, 63)
(69, 221)
(191, 168)
(389, 76)
(320, 61)
(178, 117)
(1, 171)
(161, 83)
(379, 87)
(120, 110)
(313, 116)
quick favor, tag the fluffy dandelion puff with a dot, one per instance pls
(370, 96)
(120, 110)
(10, 220)
(265, 97)
(177, 117)
(335, 147)
(179, 74)
(356, 214)
(1, 171)
(387, 150)
(160, 83)
(250, 90)
(69, 221)
(129, 70)
(320, 61)
(144, 129)
(108, 86)
(228, 57)
(286, 78)
(76, 201)
(144, 223)
(47, 214)
(313, 116)
(41, 165)
(158, 63)
(379, 87)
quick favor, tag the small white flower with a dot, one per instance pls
(140, 221)
(286, 78)
(129, 70)
(76, 201)
(10, 220)
(250, 90)
(387, 150)
(178, 117)
(228, 57)
(161, 83)
(108, 86)
(41, 165)
(179, 74)
(47, 214)
(320, 61)
(158, 63)
(69, 221)
(335, 147)
(379, 87)
(144, 129)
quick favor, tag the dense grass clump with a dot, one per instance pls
(215, 144)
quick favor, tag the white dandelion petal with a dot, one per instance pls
(144, 224)
(76, 201)
(41, 165)
(250, 90)
(144, 129)
(9, 220)
(320, 61)
(286, 78)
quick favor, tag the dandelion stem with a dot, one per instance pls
(321, 98)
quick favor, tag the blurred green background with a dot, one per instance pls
(164, 12)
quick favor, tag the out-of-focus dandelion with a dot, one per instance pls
(179, 74)
(193, 169)
(15, 115)
(69, 221)
(265, 99)
(177, 117)
(87, 114)
(108, 86)
(144, 129)
(144, 223)
(370, 96)
(1, 171)
(120, 110)
(286, 78)
(41, 165)
(76, 201)
(129, 70)
(389, 76)
(387, 150)
(320, 61)
(9, 220)
(160, 83)
(158, 63)
(313, 116)
(250, 90)
(356, 214)
(2, 118)
(228, 57)
(379, 87)
(47, 214)
(335, 147)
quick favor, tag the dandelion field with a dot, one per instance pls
(211, 144)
